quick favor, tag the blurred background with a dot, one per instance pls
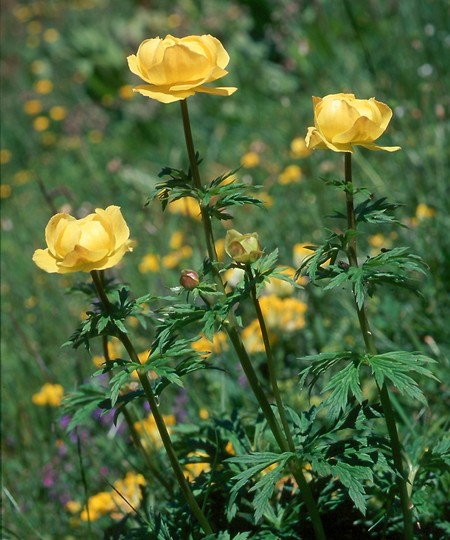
(74, 137)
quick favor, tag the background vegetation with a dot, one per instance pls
(74, 138)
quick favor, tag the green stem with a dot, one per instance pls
(270, 363)
(209, 236)
(296, 467)
(236, 340)
(159, 420)
(396, 447)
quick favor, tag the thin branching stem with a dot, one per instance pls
(159, 420)
(397, 452)
(231, 329)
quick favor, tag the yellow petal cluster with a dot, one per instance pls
(243, 248)
(95, 242)
(148, 430)
(49, 394)
(280, 314)
(176, 68)
(118, 503)
(341, 121)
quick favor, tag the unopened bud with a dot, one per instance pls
(189, 279)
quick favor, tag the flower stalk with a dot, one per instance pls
(159, 420)
(284, 441)
(396, 447)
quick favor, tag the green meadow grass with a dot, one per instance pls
(100, 147)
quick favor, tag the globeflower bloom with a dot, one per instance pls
(176, 68)
(341, 121)
(243, 248)
(95, 242)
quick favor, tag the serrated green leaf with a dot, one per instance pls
(396, 367)
(353, 478)
(344, 382)
(82, 404)
(116, 383)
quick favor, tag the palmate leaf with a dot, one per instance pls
(396, 367)
(353, 478)
(376, 211)
(319, 363)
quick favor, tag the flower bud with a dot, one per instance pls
(243, 248)
(189, 279)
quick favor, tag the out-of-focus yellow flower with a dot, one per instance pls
(41, 123)
(57, 113)
(206, 347)
(176, 68)
(301, 252)
(229, 449)
(149, 263)
(424, 211)
(73, 507)
(5, 156)
(250, 160)
(176, 240)
(290, 174)
(34, 27)
(280, 287)
(252, 338)
(203, 413)
(114, 351)
(200, 465)
(5, 191)
(51, 35)
(148, 430)
(95, 136)
(95, 242)
(341, 121)
(44, 86)
(126, 92)
(22, 177)
(187, 206)
(32, 106)
(49, 394)
(281, 315)
(243, 248)
(220, 248)
(128, 493)
(377, 240)
(299, 148)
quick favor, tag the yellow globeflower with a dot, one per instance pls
(176, 68)
(243, 248)
(341, 121)
(96, 242)
(49, 394)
